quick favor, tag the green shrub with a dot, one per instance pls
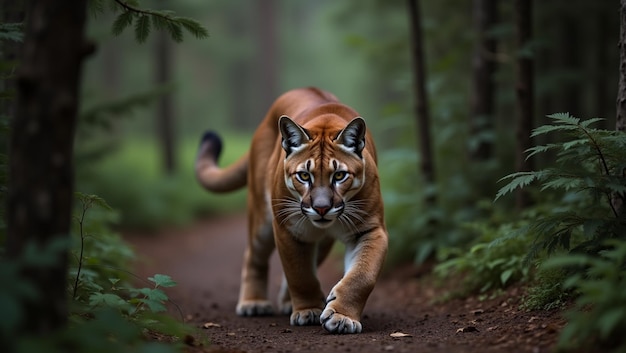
(574, 214)
(493, 262)
(586, 229)
(107, 313)
(588, 175)
(599, 316)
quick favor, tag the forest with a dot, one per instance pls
(500, 130)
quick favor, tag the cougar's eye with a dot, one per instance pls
(339, 176)
(303, 177)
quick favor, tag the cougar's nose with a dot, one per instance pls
(321, 210)
(321, 200)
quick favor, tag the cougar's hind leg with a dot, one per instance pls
(253, 297)
(284, 299)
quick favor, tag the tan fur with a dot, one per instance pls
(310, 182)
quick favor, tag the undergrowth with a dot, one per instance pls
(571, 243)
(488, 265)
(107, 312)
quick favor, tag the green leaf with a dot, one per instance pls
(564, 118)
(142, 28)
(565, 183)
(611, 320)
(154, 305)
(89, 200)
(588, 122)
(160, 22)
(175, 31)
(519, 180)
(122, 21)
(96, 7)
(154, 294)
(546, 129)
(540, 149)
(162, 280)
(573, 143)
(506, 275)
(560, 262)
(193, 27)
(107, 299)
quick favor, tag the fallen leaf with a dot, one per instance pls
(400, 334)
(478, 311)
(467, 329)
(211, 324)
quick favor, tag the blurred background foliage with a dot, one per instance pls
(360, 51)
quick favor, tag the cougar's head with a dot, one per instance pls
(323, 169)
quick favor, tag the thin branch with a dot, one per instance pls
(143, 12)
(82, 248)
(604, 164)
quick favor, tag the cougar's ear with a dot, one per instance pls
(294, 135)
(352, 137)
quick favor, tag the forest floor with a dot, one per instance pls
(403, 313)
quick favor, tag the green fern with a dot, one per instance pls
(142, 28)
(599, 316)
(589, 163)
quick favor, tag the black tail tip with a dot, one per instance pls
(211, 143)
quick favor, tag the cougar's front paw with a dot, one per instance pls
(255, 308)
(305, 317)
(335, 322)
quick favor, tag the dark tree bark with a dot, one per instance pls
(620, 123)
(525, 93)
(620, 120)
(422, 114)
(484, 67)
(41, 149)
(600, 106)
(569, 49)
(12, 12)
(165, 109)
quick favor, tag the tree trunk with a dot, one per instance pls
(12, 12)
(620, 121)
(484, 68)
(525, 92)
(569, 50)
(267, 52)
(41, 177)
(165, 113)
(427, 165)
(600, 104)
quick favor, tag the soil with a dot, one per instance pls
(403, 313)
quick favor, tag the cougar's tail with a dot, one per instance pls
(212, 177)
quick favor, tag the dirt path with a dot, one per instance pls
(205, 260)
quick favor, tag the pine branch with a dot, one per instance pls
(162, 20)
